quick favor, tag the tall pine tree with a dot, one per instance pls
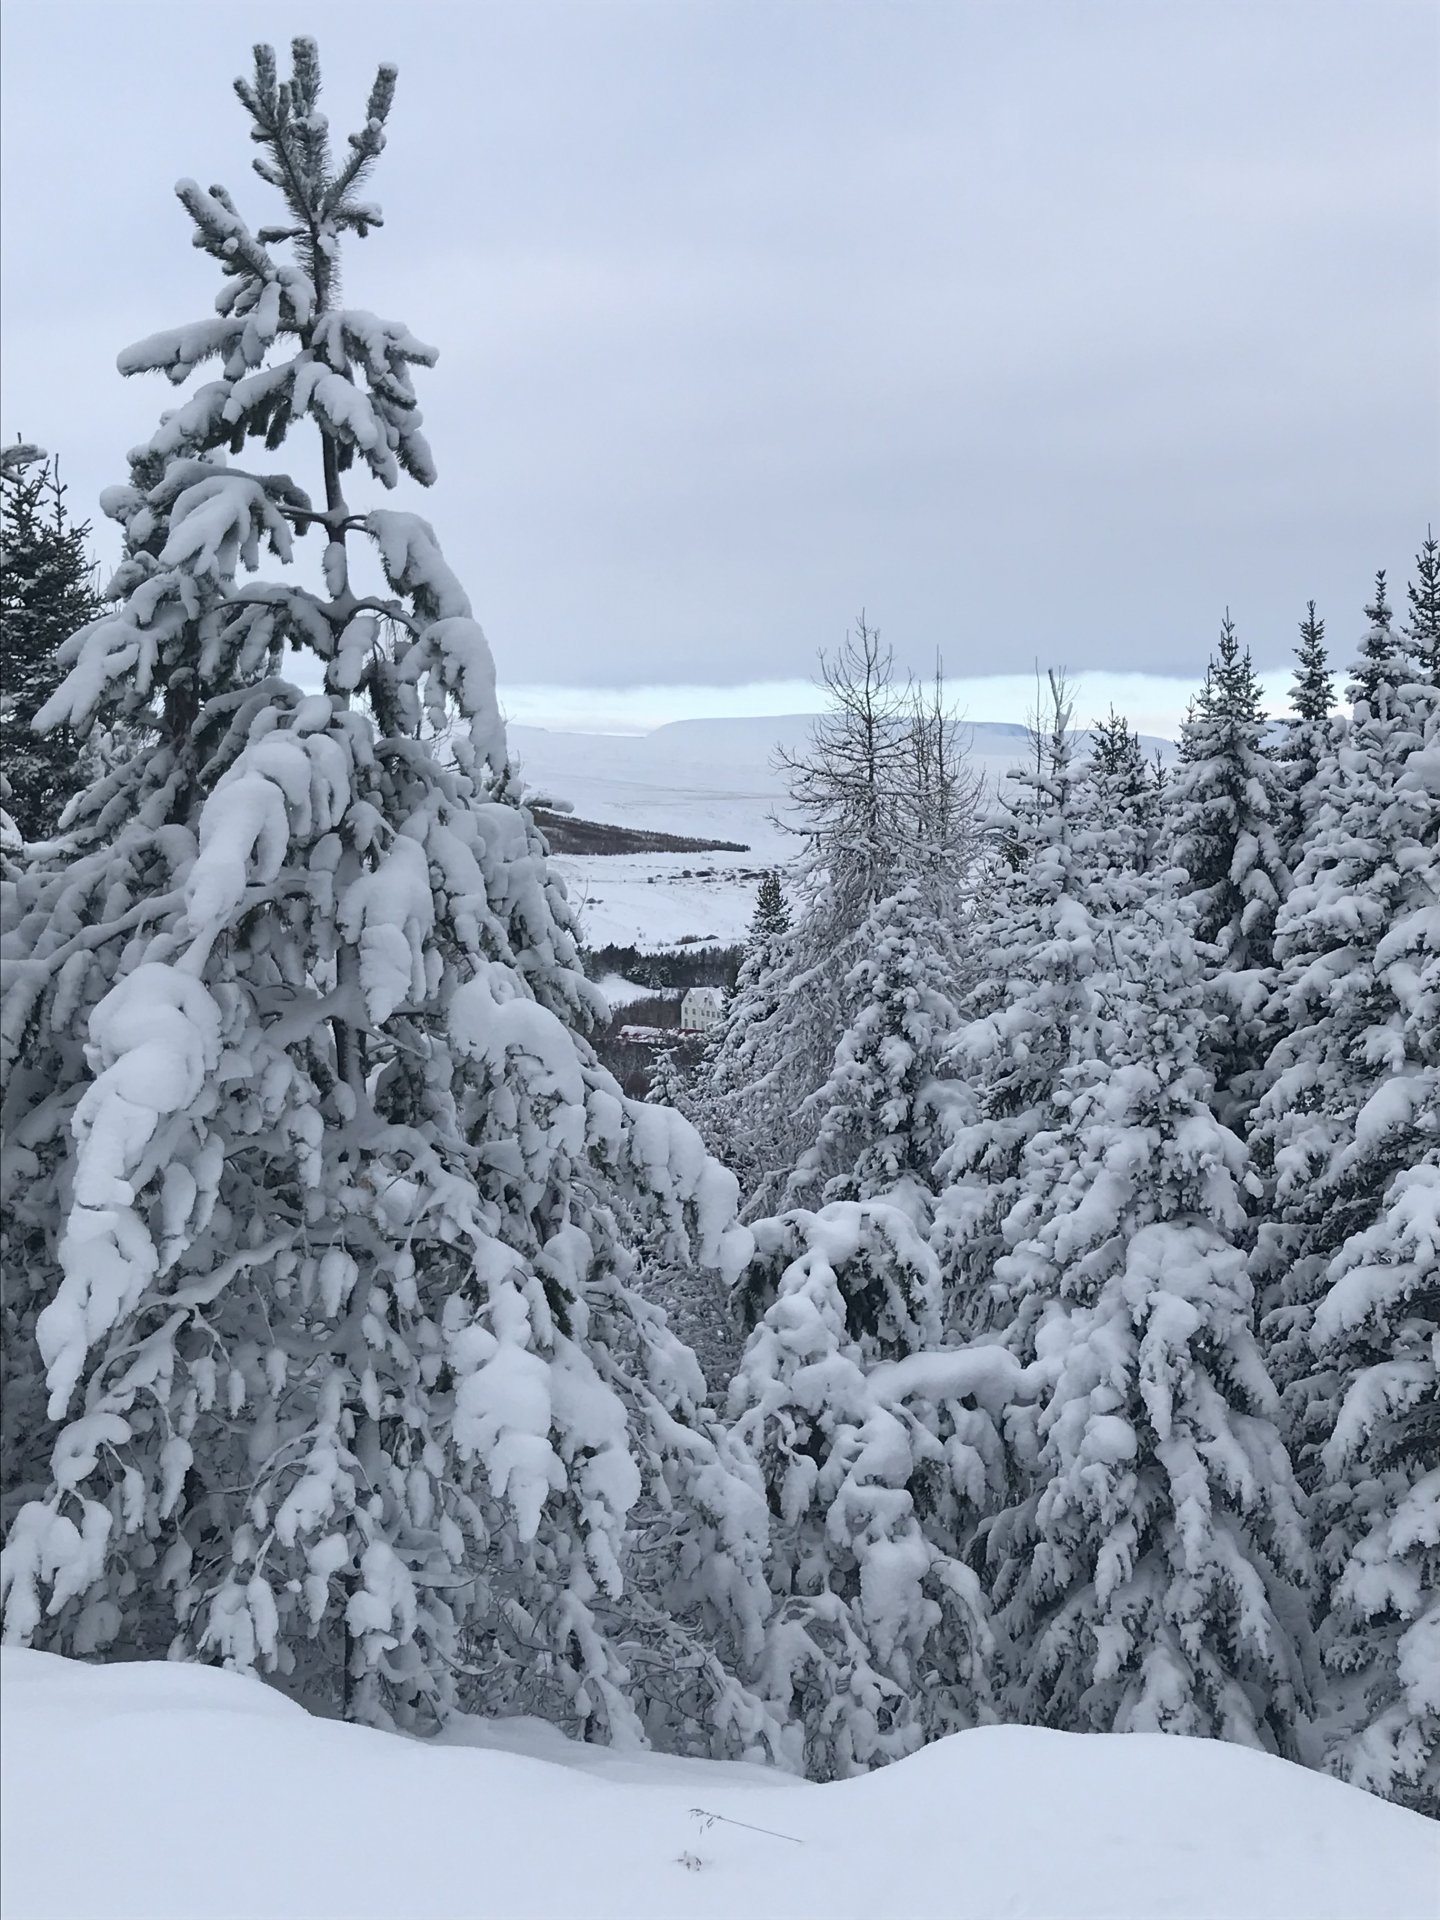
(1228, 813)
(324, 1357)
(879, 1126)
(1028, 1016)
(879, 1638)
(1423, 626)
(1309, 734)
(885, 806)
(741, 1077)
(1347, 1135)
(1118, 807)
(1149, 1576)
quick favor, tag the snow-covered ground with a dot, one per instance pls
(704, 779)
(622, 993)
(652, 900)
(157, 1792)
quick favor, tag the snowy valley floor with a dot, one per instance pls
(182, 1793)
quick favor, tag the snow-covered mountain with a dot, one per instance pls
(704, 779)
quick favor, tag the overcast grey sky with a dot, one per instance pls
(1038, 331)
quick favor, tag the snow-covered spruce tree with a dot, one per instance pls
(735, 1082)
(1350, 1088)
(880, 1639)
(1423, 626)
(769, 923)
(319, 1214)
(1228, 811)
(1375, 663)
(1348, 1133)
(878, 1132)
(1119, 811)
(1309, 734)
(1150, 1577)
(1376, 1335)
(668, 1081)
(878, 1456)
(1030, 1014)
(46, 592)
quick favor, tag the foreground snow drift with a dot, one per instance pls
(178, 1791)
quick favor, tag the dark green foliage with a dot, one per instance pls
(1314, 689)
(1228, 803)
(771, 918)
(46, 593)
(1309, 735)
(668, 969)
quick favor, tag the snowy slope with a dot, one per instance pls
(696, 777)
(185, 1793)
(702, 778)
(654, 900)
(699, 778)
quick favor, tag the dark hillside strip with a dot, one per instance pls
(566, 834)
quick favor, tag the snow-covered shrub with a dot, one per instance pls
(877, 1455)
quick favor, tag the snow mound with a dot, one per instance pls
(185, 1793)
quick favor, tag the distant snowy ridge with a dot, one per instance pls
(709, 778)
(705, 779)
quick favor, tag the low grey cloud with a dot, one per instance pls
(1040, 331)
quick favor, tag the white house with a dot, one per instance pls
(702, 1009)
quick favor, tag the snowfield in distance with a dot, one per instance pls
(185, 1793)
(655, 901)
(705, 779)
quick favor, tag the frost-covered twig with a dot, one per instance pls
(708, 1819)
